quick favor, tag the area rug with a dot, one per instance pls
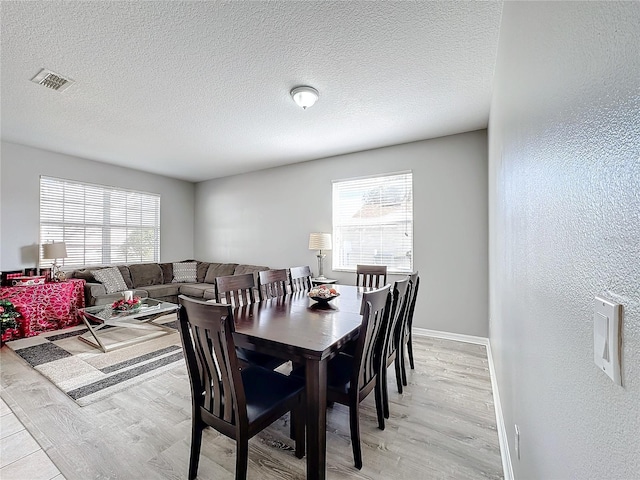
(85, 373)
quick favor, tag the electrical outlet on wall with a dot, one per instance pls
(516, 440)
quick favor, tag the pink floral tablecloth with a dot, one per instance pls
(45, 307)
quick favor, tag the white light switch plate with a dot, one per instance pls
(607, 345)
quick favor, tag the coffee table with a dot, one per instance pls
(139, 319)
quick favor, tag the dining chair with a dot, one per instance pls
(237, 403)
(406, 337)
(371, 275)
(272, 283)
(300, 279)
(391, 348)
(238, 290)
(350, 379)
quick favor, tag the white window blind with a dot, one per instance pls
(99, 224)
(373, 222)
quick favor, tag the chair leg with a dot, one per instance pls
(385, 392)
(242, 458)
(403, 366)
(410, 349)
(379, 403)
(355, 433)
(398, 372)
(292, 425)
(298, 424)
(196, 442)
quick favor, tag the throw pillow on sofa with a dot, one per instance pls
(145, 274)
(126, 275)
(185, 272)
(111, 278)
(167, 272)
(85, 274)
(219, 270)
(202, 271)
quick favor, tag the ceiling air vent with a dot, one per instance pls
(52, 80)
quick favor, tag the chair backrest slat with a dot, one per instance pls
(272, 283)
(236, 290)
(210, 371)
(300, 278)
(371, 275)
(206, 330)
(367, 355)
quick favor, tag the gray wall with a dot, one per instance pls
(20, 196)
(265, 218)
(564, 176)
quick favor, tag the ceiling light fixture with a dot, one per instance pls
(304, 96)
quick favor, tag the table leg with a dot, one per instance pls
(316, 390)
(93, 334)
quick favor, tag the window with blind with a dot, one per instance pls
(99, 224)
(373, 222)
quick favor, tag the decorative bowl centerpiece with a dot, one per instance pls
(323, 293)
(123, 305)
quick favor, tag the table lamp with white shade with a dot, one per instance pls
(55, 251)
(320, 242)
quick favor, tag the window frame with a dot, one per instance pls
(370, 182)
(137, 212)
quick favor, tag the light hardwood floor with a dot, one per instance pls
(442, 427)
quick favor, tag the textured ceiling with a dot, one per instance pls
(198, 90)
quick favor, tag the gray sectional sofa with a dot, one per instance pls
(155, 280)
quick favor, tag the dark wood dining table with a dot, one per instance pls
(297, 328)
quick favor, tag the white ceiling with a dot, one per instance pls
(199, 90)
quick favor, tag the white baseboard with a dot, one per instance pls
(502, 431)
(450, 336)
(507, 468)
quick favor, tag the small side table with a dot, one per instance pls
(325, 281)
